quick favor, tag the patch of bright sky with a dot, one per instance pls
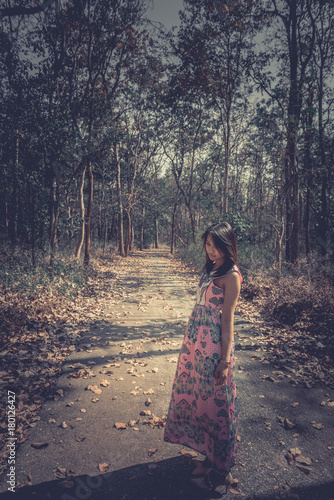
(165, 12)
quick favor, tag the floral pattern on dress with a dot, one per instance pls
(204, 416)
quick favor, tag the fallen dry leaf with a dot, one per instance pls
(267, 377)
(120, 425)
(267, 467)
(146, 413)
(39, 446)
(153, 370)
(306, 470)
(60, 472)
(303, 460)
(290, 458)
(104, 383)
(317, 426)
(287, 424)
(236, 491)
(94, 389)
(188, 453)
(103, 467)
(295, 452)
(152, 451)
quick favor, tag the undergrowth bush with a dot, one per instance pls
(193, 255)
(17, 274)
(250, 257)
(300, 295)
(303, 296)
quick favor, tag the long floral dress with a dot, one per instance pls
(204, 416)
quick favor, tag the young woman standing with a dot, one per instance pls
(203, 412)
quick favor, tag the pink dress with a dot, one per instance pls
(204, 416)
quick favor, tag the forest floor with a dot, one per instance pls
(110, 362)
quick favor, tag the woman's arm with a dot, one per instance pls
(231, 293)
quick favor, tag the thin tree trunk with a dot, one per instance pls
(128, 232)
(120, 206)
(89, 212)
(291, 168)
(323, 226)
(309, 168)
(81, 214)
(156, 232)
(55, 195)
(14, 201)
(172, 245)
(32, 223)
(226, 165)
(279, 241)
(141, 239)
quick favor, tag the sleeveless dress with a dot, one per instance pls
(204, 416)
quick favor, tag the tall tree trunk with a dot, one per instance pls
(14, 201)
(278, 249)
(128, 231)
(31, 201)
(4, 209)
(291, 167)
(100, 222)
(142, 225)
(227, 140)
(309, 167)
(120, 206)
(81, 214)
(54, 198)
(132, 236)
(89, 212)
(307, 216)
(172, 244)
(323, 226)
(156, 232)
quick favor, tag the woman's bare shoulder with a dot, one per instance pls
(230, 280)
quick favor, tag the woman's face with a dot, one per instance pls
(216, 255)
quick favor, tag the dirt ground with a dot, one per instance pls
(101, 435)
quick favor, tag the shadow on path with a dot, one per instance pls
(164, 480)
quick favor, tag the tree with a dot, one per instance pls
(293, 52)
(212, 46)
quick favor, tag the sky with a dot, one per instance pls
(166, 12)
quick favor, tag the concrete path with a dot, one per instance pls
(101, 437)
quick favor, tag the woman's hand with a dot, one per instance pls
(221, 373)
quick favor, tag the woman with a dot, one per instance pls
(203, 412)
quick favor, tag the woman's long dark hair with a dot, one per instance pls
(225, 240)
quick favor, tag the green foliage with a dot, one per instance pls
(193, 254)
(253, 257)
(18, 275)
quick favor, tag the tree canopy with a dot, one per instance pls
(118, 133)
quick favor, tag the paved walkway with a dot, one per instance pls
(101, 437)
